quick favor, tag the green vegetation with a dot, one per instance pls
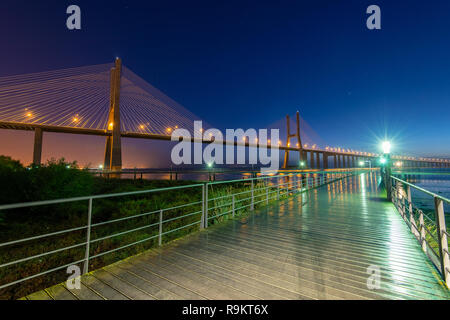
(59, 179)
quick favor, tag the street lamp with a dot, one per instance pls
(210, 166)
(302, 163)
(386, 145)
(361, 163)
(386, 162)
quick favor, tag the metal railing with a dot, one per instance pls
(210, 202)
(430, 231)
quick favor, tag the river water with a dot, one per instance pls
(434, 180)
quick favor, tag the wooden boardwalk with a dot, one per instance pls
(312, 246)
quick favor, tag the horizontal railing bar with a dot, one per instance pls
(42, 254)
(422, 173)
(101, 196)
(181, 217)
(40, 274)
(281, 189)
(421, 189)
(222, 214)
(124, 232)
(41, 236)
(182, 227)
(282, 175)
(220, 206)
(124, 218)
(123, 247)
(145, 214)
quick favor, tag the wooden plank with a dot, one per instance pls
(101, 288)
(317, 245)
(40, 295)
(85, 293)
(165, 283)
(121, 286)
(60, 292)
(143, 285)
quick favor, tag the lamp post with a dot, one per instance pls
(386, 162)
(210, 166)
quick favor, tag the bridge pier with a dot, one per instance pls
(113, 146)
(37, 150)
(288, 140)
(318, 159)
(311, 159)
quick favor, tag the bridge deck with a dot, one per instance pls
(313, 246)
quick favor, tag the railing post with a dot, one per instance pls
(88, 238)
(442, 238)
(414, 228)
(160, 227)
(202, 221)
(388, 180)
(422, 232)
(278, 188)
(206, 206)
(252, 207)
(233, 204)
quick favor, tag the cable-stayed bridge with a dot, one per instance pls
(110, 100)
(308, 235)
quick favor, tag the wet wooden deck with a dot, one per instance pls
(312, 246)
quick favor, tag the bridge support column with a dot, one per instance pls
(113, 147)
(325, 160)
(335, 161)
(288, 140)
(318, 160)
(339, 161)
(37, 150)
(311, 159)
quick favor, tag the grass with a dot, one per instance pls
(27, 222)
(58, 178)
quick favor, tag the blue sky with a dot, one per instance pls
(241, 64)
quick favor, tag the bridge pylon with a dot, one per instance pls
(113, 146)
(288, 140)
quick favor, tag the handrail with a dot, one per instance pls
(309, 180)
(101, 196)
(421, 189)
(422, 173)
(440, 257)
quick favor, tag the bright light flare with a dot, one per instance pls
(386, 145)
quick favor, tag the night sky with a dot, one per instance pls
(242, 64)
